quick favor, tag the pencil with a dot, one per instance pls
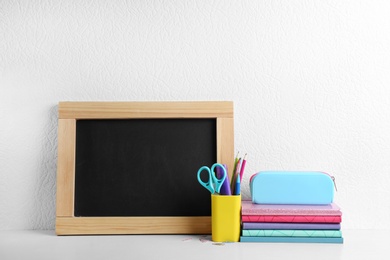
(234, 171)
(242, 167)
(236, 174)
(237, 191)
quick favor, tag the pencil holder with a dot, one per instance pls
(225, 218)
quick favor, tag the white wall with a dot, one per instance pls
(310, 81)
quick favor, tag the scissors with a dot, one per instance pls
(214, 183)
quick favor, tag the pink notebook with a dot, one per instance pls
(249, 208)
(291, 218)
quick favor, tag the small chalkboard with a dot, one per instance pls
(130, 167)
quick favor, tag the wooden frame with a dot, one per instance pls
(70, 112)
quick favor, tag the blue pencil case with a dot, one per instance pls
(292, 187)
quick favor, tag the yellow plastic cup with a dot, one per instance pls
(225, 218)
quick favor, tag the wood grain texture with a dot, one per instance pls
(201, 109)
(66, 166)
(225, 143)
(132, 225)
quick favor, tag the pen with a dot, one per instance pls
(225, 188)
(238, 186)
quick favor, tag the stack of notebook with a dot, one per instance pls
(291, 223)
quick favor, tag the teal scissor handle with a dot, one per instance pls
(212, 180)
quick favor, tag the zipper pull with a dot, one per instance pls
(334, 182)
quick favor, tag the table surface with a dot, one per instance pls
(358, 244)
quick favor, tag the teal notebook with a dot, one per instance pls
(332, 240)
(290, 233)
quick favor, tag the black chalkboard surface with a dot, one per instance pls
(137, 167)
